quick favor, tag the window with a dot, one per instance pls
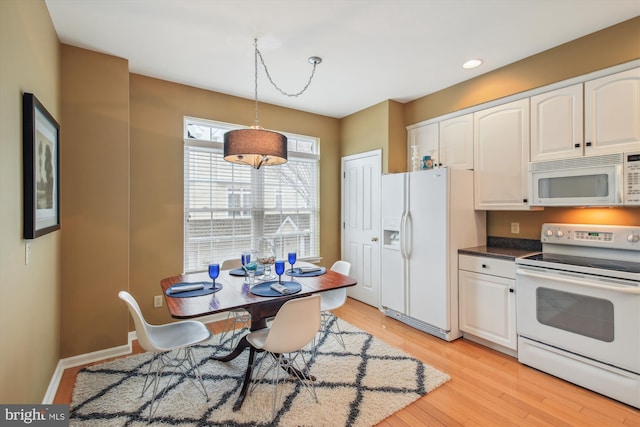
(239, 202)
(228, 207)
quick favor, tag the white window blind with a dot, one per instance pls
(228, 207)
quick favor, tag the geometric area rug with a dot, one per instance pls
(359, 386)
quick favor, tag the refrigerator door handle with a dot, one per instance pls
(408, 235)
(403, 234)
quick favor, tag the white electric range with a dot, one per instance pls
(578, 307)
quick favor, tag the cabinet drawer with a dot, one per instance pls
(488, 265)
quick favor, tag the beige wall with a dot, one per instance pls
(611, 46)
(29, 294)
(377, 127)
(95, 200)
(157, 111)
(397, 137)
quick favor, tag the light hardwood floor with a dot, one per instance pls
(487, 387)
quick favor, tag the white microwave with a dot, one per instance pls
(608, 180)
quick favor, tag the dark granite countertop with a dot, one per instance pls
(496, 252)
(504, 248)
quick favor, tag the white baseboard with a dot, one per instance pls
(82, 359)
(96, 356)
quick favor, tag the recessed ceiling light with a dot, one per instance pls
(472, 63)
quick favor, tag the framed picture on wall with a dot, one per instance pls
(41, 168)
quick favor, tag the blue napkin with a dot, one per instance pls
(193, 289)
(264, 289)
(306, 271)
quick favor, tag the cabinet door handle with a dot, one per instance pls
(576, 145)
(588, 144)
(511, 290)
(525, 200)
(484, 265)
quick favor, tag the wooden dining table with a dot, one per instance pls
(236, 294)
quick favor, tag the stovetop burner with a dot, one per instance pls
(572, 260)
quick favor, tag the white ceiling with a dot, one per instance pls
(372, 50)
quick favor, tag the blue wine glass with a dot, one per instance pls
(245, 258)
(279, 270)
(292, 259)
(214, 272)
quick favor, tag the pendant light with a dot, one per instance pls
(257, 146)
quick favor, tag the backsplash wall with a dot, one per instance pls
(530, 222)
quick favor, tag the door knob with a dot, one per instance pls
(374, 239)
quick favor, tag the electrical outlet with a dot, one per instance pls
(515, 228)
(27, 253)
(157, 301)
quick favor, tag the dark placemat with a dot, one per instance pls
(296, 272)
(264, 289)
(240, 271)
(206, 290)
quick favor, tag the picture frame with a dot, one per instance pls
(41, 168)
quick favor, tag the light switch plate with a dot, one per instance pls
(157, 301)
(27, 253)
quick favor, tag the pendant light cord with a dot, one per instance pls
(255, 66)
(314, 60)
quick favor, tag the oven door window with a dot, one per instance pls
(584, 315)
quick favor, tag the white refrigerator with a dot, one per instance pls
(426, 217)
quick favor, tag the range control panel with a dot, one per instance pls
(603, 236)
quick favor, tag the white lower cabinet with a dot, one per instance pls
(487, 300)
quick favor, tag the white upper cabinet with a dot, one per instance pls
(556, 124)
(612, 113)
(501, 157)
(449, 142)
(456, 142)
(426, 139)
(583, 118)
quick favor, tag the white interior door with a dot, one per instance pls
(361, 223)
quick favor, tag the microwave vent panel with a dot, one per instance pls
(577, 162)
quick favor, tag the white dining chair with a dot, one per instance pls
(171, 344)
(294, 326)
(236, 319)
(330, 300)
